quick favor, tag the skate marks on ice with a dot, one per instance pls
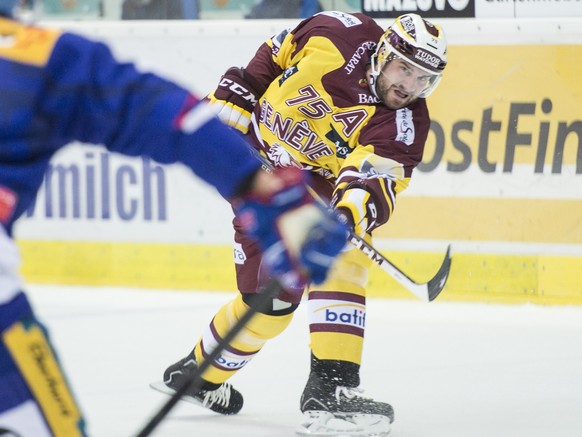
(163, 388)
(449, 369)
(326, 424)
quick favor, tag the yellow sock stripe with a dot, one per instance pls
(34, 357)
(250, 340)
(337, 346)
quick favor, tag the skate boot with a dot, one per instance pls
(333, 405)
(220, 398)
(326, 395)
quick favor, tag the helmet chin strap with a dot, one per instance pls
(372, 82)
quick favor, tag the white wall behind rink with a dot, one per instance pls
(195, 54)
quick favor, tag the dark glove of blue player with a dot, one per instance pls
(300, 239)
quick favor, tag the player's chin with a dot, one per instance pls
(397, 103)
(396, 99)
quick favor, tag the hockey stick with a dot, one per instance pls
(268, 292)
(427, 291)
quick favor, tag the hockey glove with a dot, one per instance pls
(352, 209)
(300, 240)
(234, 100)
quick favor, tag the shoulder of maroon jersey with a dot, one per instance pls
(355, 37)
(346, 31)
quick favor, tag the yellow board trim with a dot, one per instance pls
(175, 266)
(500, 278)
(35, 359)
(483, 219)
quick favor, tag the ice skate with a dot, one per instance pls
(220, 398)
(334, 410)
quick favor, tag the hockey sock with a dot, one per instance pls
(337, 310)
(246, 345)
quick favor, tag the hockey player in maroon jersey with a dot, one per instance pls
(344, 100)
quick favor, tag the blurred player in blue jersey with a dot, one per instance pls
(58, 87)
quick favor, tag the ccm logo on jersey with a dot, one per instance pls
(7, 204)
(238, 89)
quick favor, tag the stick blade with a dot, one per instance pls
(437, 283)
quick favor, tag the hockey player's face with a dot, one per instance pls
(401, 83)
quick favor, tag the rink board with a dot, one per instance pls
(474, 277)
(501, 178)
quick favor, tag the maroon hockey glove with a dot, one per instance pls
(234, 100)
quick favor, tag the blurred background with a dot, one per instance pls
(501, 177)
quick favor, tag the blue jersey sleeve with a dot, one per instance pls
(96, 99)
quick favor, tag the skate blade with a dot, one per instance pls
(163, 388)
(326, 424)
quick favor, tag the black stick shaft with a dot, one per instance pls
(270, 291)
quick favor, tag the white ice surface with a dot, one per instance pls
(449, 369)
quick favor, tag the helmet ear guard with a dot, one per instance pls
(416, 41)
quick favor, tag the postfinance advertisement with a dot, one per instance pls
(502, 173)
(501, 181)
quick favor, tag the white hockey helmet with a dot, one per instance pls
(414, 40)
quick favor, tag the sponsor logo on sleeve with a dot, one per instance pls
(277, 41)
(288, 73)
(7, 204)
(239, 254)
(347, 20)
(405, 126)
(361, 52)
